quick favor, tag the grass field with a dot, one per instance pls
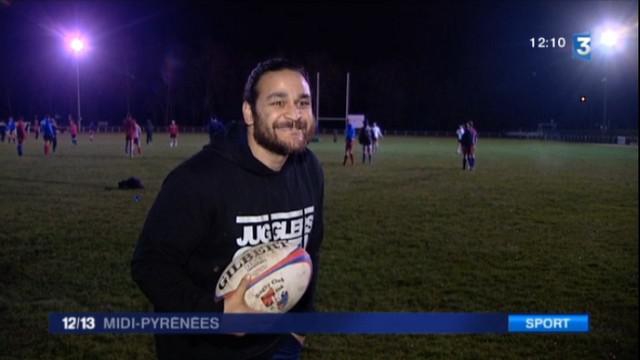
(538, 227)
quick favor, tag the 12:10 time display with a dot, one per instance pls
(543, 43)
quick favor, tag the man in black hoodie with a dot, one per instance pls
(221, 200)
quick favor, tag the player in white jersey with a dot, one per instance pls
(377, 135)
(459, 133)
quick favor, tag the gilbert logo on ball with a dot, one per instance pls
(280, 273)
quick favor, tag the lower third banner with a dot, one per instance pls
(327, 323)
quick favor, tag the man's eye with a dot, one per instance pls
(280, 103)
(304, 103)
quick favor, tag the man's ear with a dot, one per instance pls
(247, 114)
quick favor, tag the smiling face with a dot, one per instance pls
(282, 120)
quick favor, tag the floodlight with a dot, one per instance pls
(610, 38)
(77, 45)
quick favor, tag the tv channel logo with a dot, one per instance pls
(582, 46)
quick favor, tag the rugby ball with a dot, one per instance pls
(280, 274)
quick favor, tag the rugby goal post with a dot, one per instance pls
(356, 120)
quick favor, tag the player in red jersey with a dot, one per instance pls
(73, 131)
(21, 131)
(173, 134)
(36, 126)
(129, 127)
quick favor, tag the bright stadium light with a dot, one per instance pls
(610, 38)
(77, 45)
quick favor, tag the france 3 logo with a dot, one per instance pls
(582, 46)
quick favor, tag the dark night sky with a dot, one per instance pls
(413, 65)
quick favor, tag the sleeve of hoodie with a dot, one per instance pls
(175, 225)
(306, 303)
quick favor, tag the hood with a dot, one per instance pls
(240, 153)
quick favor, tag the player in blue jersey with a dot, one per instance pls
(54, 138)
(46, 128)
(349, 135)
(468, 142)
(11, 130)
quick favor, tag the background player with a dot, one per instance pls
(349, 135)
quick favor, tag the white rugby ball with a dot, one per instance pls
(280, 273)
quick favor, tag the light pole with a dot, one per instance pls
(77, 45)
(609, 39)
(78, 89)
(604, 103)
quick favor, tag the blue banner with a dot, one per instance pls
(326, 323)
(548, 323)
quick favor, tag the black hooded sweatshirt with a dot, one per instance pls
(215, 203)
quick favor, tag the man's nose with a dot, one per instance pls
(293, 111)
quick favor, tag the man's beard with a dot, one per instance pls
(267, 136)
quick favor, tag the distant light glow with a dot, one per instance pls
(613, 37)
(610, 38)
(77, 44)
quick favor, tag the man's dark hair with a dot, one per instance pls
(276, 64)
